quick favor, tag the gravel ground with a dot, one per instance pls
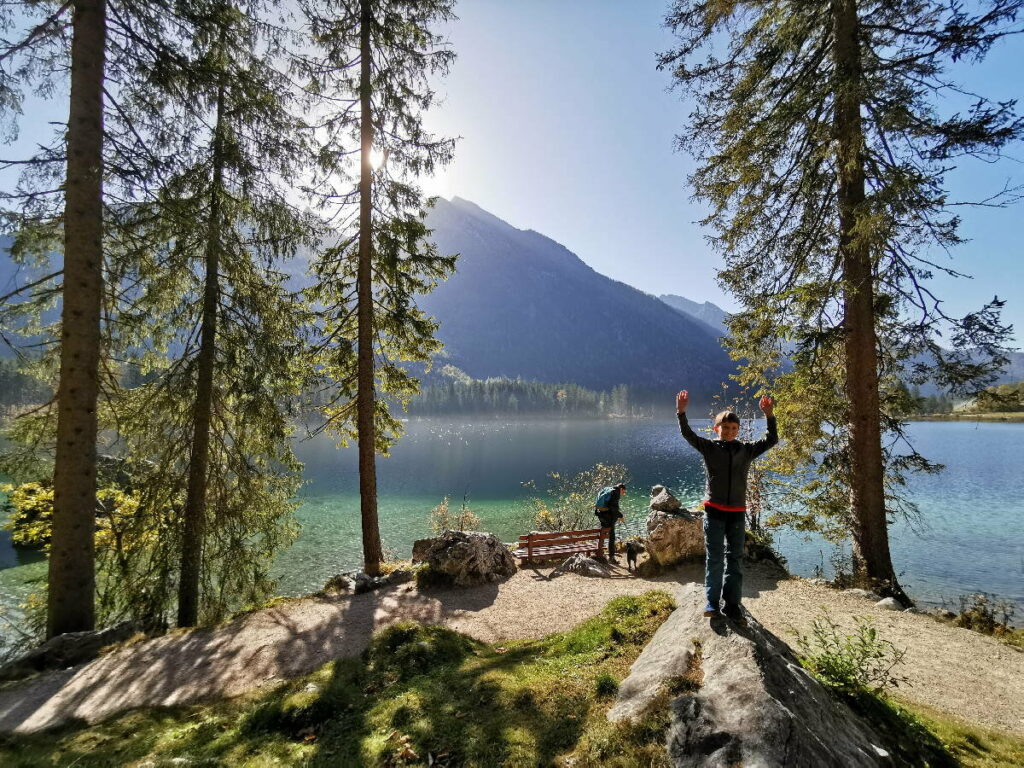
(963, 673)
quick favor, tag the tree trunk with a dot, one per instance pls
(872, 560)
(195, 500)
(365, 429)
(71, 592)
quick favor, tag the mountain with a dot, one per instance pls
(710, 314)
(1014, 370)
(521, 305)
(13, 276)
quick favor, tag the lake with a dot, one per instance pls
(970, 539)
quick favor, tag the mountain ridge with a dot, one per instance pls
(522, 305)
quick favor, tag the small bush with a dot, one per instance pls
(850, 663)
(443, 519)
(760, 547)
(605, 686)
(982, 613)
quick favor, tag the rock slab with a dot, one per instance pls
(359, 581)
(466, 558)
(67, 650)
(755, 707)
(584, 566)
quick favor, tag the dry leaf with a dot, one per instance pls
(408, 754)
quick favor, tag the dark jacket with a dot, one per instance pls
(727, 462)
(611, 513)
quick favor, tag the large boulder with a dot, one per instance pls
(584, 566)
(748, 700)
(465, 558)
(673, 537)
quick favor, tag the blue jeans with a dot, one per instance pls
(723, 545)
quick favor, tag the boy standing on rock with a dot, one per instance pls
(727, 461)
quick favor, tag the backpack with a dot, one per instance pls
(604, 498)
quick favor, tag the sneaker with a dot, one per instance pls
(711, 611)
(735, 614)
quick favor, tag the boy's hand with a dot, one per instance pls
(767, 406)
(682, 400)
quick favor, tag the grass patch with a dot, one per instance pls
(417, 695)
(857, 668)
(926, 738)
(972, 746)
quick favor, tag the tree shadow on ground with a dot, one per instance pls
(258, 649)
(435, 697)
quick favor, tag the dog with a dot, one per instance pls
(633, 548)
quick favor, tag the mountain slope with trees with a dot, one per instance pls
(521, 305)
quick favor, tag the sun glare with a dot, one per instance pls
(440, 184)
(377, 158)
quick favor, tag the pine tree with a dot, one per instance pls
(374, 58)
(165, 203)
(823, 156)
(212, 302)
(71, 564)
(66, 207)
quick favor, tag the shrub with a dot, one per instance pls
(443, 519)
(568, 502)
(982, 613)
(605, 686)
(850, 663)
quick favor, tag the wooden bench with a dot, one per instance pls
(543, 546)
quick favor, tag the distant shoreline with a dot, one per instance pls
(1004, 417)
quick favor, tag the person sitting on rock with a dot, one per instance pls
(607, 510)
(727, 461)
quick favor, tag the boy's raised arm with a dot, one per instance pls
(762, 445)
(698, 442)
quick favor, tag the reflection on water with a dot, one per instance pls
(972, 537)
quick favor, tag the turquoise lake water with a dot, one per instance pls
(970, 539)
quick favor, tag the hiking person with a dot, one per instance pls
(726, 461)
(606, 507)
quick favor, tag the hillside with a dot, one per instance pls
(522, 305)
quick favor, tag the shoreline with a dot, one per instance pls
(1009, 418)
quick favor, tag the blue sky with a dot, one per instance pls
(567, 129)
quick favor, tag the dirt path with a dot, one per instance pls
(953, 670)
